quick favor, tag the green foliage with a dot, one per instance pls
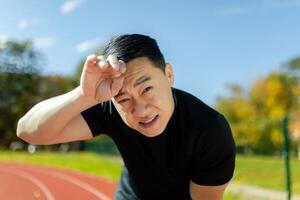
(20, 57)
(255, 115)
(22, 86)
(273, 96)
(19, 85)
(293, 66)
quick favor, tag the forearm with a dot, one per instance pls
(48, 118)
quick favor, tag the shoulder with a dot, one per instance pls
(205, 129)
(101, 109)
(101, 118)
(209, 142)
(194, 113)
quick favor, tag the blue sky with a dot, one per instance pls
(209, 43)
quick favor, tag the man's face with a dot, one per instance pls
(145, 102)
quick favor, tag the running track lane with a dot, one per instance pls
(31, 182)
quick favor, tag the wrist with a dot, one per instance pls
(86, 100)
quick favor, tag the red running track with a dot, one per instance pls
(29, 182)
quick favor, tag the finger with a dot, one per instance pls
(101, 57)
(103, 65)
(95, 63)
(115, 75)
(122, 66)
(116, 85)
(113, 61)
(101, 62)
(92, 59)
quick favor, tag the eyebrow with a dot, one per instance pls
(139, 81)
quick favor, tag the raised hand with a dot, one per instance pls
(102, 79)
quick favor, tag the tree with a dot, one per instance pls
(255, 115)
(19, 85)
(240, 114)
(292, 66)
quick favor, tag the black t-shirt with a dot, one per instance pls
(196, 145)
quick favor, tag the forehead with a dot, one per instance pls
(139, 67)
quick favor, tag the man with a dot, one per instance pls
(173, 145)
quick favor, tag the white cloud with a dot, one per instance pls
(88, 44)
(235, 10)
(70, 5)
(44, 42)
(25, 23)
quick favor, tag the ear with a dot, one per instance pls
(169, 73)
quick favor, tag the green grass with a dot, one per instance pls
(90, 163)
(267, 172)
(231, 196)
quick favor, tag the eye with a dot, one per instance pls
(147, 89)
(123, 101)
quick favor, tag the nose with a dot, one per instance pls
(140, 108)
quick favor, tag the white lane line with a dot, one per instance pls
(34, 180)
(94, 177)
(77, 182)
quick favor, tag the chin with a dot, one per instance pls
(152, 133)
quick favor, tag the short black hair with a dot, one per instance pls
(129, 46)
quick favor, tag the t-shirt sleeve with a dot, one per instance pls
(213, 160)
(98, 118)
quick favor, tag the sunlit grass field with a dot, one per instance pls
(267, 172)
(91, 163)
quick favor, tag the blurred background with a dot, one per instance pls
(240, 57)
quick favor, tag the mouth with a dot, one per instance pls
(148, 123)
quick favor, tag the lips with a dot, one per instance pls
(149, 122)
